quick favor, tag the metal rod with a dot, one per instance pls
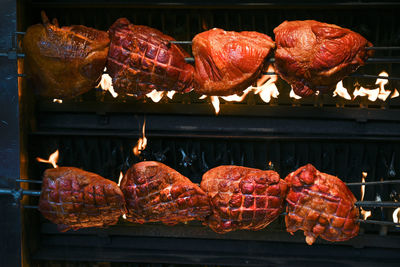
(374, 76)
(367, 48)
(375, 183)
(383, 48)
(383, 60)
(4, 191)
(379, 222)
(28, 181)
(181, 42)
(30, 207)
(375, 204)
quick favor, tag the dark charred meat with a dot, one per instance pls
(156, 193)
(64, 62)
(321, 205)
(74, 199)
(142, 59)
(243, 198)
(228, 62)
(313, 56)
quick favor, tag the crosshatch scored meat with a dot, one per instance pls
(142, 59)
(243, 198)
(74, 198)
(155, 192)
(321, 205)
(313, 56)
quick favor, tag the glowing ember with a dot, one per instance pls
(171, 94)
(293, 95)
(121, 175)
(53, 159)
(57, 100)
(341, 91)
(155, 95)
(141, 143)
(215, 103)
(364, 213)
(106, 84)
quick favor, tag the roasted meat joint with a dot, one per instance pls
(73, 198)
(243, 198)
(321, 205)
(204, 133)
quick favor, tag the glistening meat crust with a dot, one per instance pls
(243, 198)
(64, 62)
(321, 205)
(313, 56)
(142, 59)
(155, 192)
(74, 198)
(228, 62)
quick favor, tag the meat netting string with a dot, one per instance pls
(360, 204)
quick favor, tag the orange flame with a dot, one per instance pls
(215, 103)
(53, 159)
(341, 91)
(106, 84)
(155, 95)
(396, 215)
(379, 92)
(171, 94)
(121, 175)
(265, 88)
(293, 94)
(365, 214)
(57, 101)
(141, 143)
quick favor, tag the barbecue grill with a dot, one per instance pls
(350, 138)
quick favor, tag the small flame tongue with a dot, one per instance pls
(365, 213)
(341, 91)
(106, 84)
(121, 175)
(141, 143)
(53, 159)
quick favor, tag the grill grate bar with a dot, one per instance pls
(375, 204)
(385, 223)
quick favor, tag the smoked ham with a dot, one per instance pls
(228, 62)
(313, 56)
(143, 59)
(321, 205)
(155, 192)
(74, 199)
(243, 198)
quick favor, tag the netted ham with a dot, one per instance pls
(243, 198)
(64, 62)
(74, 199)
(321, 205)
(143, 59)
(313, 56)
(228, 62)
(155, 192)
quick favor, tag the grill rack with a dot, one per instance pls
(368, 204)
(372, 60)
